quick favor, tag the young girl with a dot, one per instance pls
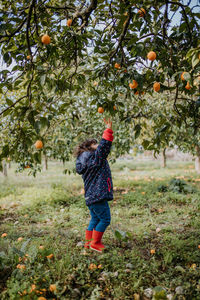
(92, 164)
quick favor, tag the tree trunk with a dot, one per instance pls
(164, 158)
(9, 165)
(46, 162)
(197, 160)
(5, 173)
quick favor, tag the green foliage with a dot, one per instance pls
(52, 92)
(177, 186)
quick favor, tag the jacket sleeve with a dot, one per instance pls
(81, 163)
(102, 150)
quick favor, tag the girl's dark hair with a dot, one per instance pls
(85, 146)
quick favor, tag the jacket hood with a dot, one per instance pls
(81, 162)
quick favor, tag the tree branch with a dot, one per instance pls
(14, 32)
(1, 113)
(85, 14)
(123, 34)
(28, 26)
(60, 7)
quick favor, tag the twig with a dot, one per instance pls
(28, 26)
(12, 105)
(85, 14)
(14, 32)
(60, 7)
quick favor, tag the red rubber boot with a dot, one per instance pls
(88, 238)
(96, 241)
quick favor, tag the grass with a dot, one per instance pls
(50, 210)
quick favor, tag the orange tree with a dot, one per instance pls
(111, 51)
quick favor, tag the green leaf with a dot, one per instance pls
(37, 126)
(5, 151)
(187, 76)
(44, 124)
(9, 102)
(7, 112)
(42, 79)
(195, 61)
(145, 144)
(180, 269)
(118, 234)
(37, 157)
(31, 118)
(24, 246)
(19, 252)
(6, 57)
(137, 130)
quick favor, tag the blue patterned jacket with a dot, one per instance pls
(95, 171)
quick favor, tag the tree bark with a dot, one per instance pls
(197, 160)
(164, 158)
(5, 173)
(46, 162)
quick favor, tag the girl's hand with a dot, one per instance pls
(108, 123)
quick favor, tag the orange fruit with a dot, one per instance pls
(4, 234)
(33, 287)
(69, 22)
(141, 12)
(100, 110)
(52, 287)
(42, 298)
(20, 239)
(193, 266)
(156, 86)
(188, 87)
(135, 84)
(92, 267)
(136, 93)
(95, 83)
(39, 144)
(23, 267)
(151, 55)
(114, 107)
(152, 251)
(46, 39)
(199, 246)
(117, 66)
(50, 256)
(99, 266)
(28, 57)
(27, 167)
(182, 74)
